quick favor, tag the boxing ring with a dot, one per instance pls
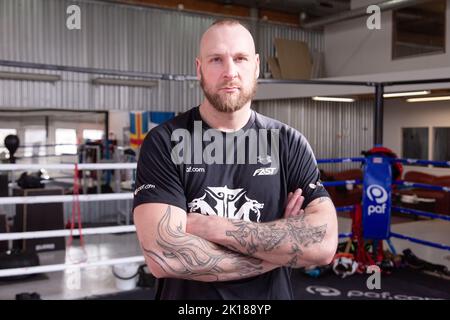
(64, 232)
(131, 229)
(382, 231)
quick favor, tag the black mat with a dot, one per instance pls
(402, 284)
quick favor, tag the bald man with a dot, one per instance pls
(227, 201)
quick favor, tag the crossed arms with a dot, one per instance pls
(211, 248)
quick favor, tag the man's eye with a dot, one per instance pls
(241, 59)
(216, 59)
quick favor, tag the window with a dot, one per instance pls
(92, 134)
(419, 29)
(35, 140)
(441, 144)
(66, 140)
(415, 143)
(4, 132)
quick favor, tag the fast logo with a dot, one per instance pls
(265, 172)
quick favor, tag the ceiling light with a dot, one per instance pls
(406, 94)
(334, 99)
(124, 82)
(22, 76)
(441, 98)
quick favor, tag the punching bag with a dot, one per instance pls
(12, 143)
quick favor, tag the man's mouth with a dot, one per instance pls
(230, 89)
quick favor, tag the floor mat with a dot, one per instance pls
(404, 284)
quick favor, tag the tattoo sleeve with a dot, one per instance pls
(292, 242)
(186, 256)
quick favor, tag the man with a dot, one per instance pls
(220, 229)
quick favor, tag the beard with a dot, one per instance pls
(228, 102)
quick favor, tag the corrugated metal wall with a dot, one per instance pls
(334, 130)
(155, 41)
(111, 37)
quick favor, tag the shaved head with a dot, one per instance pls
(219, 27)
(227, 65)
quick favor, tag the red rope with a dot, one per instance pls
(363, 257)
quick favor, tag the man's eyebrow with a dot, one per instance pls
(214, 55)
(242, 54)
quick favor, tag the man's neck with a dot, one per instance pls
(223, 121)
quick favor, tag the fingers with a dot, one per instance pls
(298, 206)
(294, 204)
(290, 194)
(292, 200)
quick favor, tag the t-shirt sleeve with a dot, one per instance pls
(157, 177)
(302, 169)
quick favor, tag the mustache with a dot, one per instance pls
(229, 84)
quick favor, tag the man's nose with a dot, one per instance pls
(231, 70)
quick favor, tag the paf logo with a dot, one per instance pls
(379, 195)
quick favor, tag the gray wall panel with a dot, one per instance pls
(334, 130)
(112, 36)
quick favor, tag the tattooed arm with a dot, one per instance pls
(308, 238)
(170, 252)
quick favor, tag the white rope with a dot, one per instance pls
(61, 267)
(65, 233)
(81, 166)
(66, 198)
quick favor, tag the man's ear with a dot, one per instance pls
(257, 66)
(197, 67)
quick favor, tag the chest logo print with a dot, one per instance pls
(227, 203)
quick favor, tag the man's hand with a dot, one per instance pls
(294, 204)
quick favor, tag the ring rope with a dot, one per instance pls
(61, 267)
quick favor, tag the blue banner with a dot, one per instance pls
(377, 198)
(157, 117)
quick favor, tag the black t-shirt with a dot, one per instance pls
(254, 190)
